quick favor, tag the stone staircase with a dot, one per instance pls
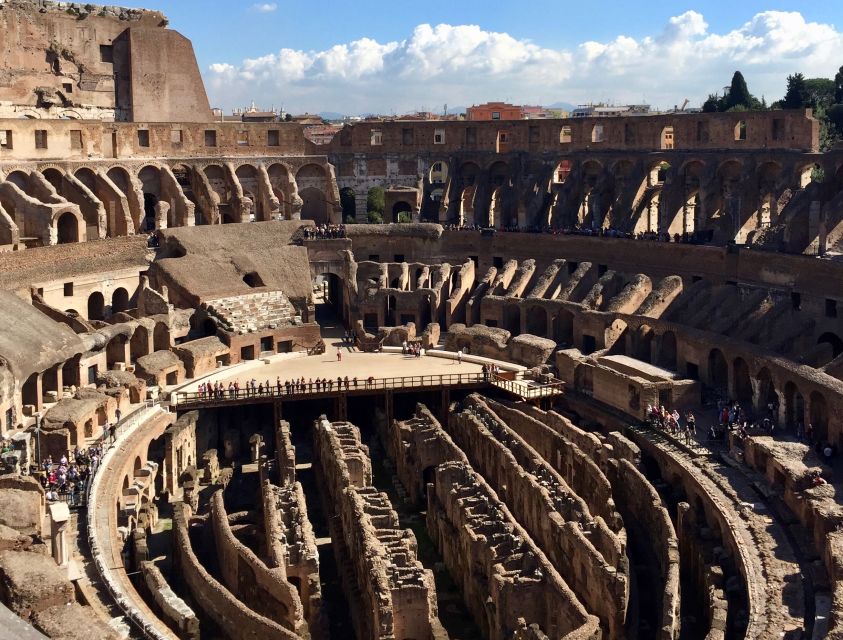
(253, 312)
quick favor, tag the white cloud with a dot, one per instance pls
(265, 7)
(465, 64)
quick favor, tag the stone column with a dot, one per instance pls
(59, 517)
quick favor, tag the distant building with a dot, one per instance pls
(606, 110)
(495, 111)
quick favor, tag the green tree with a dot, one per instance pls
(375, 201)
(796, 96)
(712, 104)
(375, 217)
(738, 93)
(820, 92)
(349, 206)
(838, 86)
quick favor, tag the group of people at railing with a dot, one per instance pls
(324, 232)
(695, 237)
(66, 478)
(253, 388)
(671, 422)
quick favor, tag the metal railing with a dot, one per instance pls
(529, 389)
(331, 388)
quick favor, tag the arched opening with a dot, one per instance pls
(402, 212)
(139, 343)
(247, 175)
(667, 352)
(666, 138)
(68, 228)
(718, 372)
(819, 417)
(563, 328)
(29, 392)
(149, 203)
(597, 134)
(329, 299)
(136, 465)
(643, 348)
(389, 311)
(279, 179)
(766, 393)
(119, 300)
(833, 340)
(561, 172)
(96, 306)
(161, 337)
(742, 382)
(794, 407)
(314, 206)
(512, 319)
(537, 321)
(348, 201)
(150, 178)
(438, 173)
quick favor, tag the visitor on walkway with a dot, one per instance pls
(339, 355)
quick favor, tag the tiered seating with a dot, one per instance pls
(252, 312)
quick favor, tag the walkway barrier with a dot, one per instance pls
(184, 399)
(145, 627)
(528, 389)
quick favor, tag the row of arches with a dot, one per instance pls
(97, 308)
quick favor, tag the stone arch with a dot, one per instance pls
(20, 179)
(766, 391)
(667, 350)
(314, 205)
(496, 217)
(96, 306)
(643, 348)
(249, 178)
(833, 340)
(161, 337)
(512, 318)
(279, 180)
(718, 371)
(69, 228)
(742, 382)
(119, 300)
(561, 171)
(438, 172)
(402, 206)
(563, 328)
(536, 321)
(499, 173)
(819, 416)
(794, 405)
(310, 170)
(469, 173)
(150, 178)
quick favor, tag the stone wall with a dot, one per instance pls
(478, 536)
(217, 602)
(581, 547)
(173, 609)
(391, 594)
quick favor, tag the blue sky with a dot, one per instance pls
(370, 55)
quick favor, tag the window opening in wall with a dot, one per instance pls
(692, 370)
(253, 279)
(740, 130)
(565, 134)
(67, 87)
(778, 129)
(439, 136)
(406, 137)
(106, 53)
(92, 374)
(143, 137)
(628, 133)
(68, 289)
(496, 115)
(572, 266)
(40, 138)
(176, 136)
(696, 278)
(399, 257)
(667, 138)
(75, 138)
(273, 138)
(830, 308)
(497, 262)
(242, 138)
(491, 323)
(597, 133)
(702, 131)
(210, 137)
(475, 260)
(534, 134)
(374, 257)
(601, 269)
(5, 139)
(470, 135)
(376, 137)
(796, 300)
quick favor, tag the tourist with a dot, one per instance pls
(118, 414)
(339, 355)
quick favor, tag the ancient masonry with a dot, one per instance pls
(146, 247)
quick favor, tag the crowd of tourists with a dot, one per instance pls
(324, 232)
(254, 388)
(66, 479)
(700, 237)
(672, 422)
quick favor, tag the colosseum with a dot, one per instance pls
(228, 411)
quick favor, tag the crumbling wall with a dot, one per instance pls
(494, 561)
(264, 590)
(217, 602)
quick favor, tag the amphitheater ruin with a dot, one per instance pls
(218, 420)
